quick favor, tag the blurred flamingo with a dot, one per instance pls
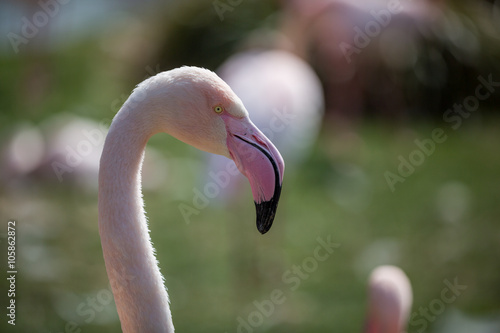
(390, 300)
(386, 57)
(22, 152)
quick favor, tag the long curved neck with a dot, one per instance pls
(140, 296)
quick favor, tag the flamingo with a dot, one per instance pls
(197, 107)
(390, 299)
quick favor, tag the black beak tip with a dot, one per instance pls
(266, 211)
(265, 215)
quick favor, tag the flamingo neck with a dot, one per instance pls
(378, 324)
(140, 296)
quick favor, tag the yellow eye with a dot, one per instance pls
(218, 109)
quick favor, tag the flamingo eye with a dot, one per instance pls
(218, 109)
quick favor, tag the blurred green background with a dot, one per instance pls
(441, 223)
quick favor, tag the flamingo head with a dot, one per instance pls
(197, 107)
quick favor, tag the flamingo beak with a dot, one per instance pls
(259, 161)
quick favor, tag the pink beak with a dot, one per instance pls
(257, 159)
